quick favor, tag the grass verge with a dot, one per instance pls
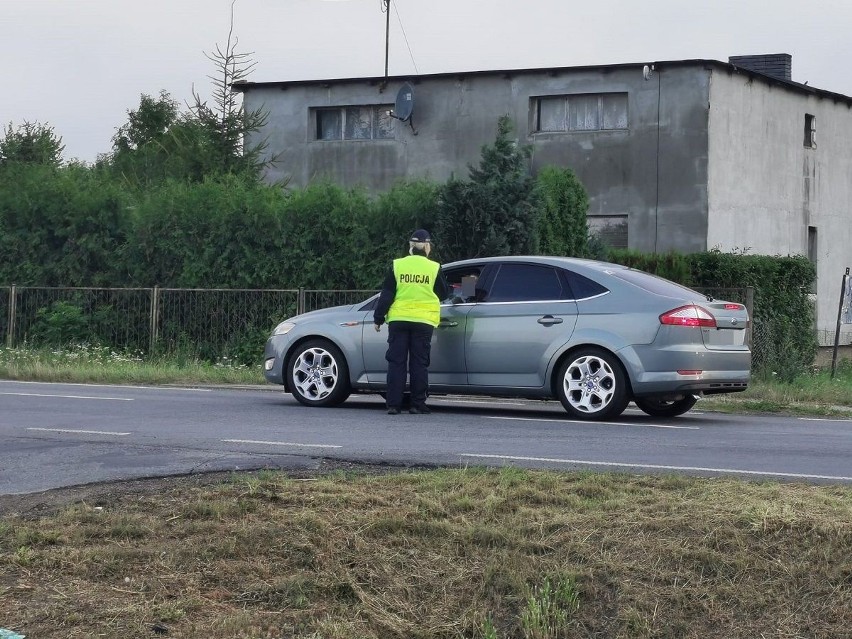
(101, 365)
(495, 554)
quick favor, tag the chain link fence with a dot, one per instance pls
(6, 311)
(49, 316)
(210, 323)
(826, 337)
(207, 323)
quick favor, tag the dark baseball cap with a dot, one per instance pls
(420, 235)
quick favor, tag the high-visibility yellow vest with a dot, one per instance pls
(415, 299)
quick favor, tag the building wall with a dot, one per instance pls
(651, 177)
(766, 188)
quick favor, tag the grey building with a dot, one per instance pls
(685, 155)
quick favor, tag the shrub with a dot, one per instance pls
(563, 204)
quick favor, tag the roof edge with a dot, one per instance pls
(242, 87)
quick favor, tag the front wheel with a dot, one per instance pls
(317, 374)
(658, 407)
(592, 385)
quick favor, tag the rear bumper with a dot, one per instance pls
(655, 370)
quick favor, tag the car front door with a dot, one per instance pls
(526, 314)
(447, 365)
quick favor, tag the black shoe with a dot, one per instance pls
(419, 410)
(393, 411)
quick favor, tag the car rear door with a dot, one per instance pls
(526, 314)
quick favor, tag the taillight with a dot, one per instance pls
(689, 315)
(734, 307)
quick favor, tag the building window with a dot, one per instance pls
(581, 112)
(354, 123)
(609, 229)
(810, 131)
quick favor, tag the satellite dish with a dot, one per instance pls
(404, 106)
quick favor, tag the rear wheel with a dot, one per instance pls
(317, 374)
(661, 407)
(592, 385)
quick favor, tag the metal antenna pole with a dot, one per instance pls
(387, 36)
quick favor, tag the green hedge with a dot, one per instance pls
(72, 226)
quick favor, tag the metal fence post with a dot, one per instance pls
(300, 304)
(155, 316)
(10, 337)
(839, 322)
(749, 304)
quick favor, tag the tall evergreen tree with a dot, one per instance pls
(563, 228)
(227, 122)
(161, 142)
(494, 211)
(31, 143)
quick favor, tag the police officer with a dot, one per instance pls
(410, 302)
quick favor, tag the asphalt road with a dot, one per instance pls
(60, 435)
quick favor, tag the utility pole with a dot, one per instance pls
(387, 39)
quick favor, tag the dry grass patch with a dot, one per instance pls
(495, 554)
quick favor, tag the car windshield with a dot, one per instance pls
(369, 304)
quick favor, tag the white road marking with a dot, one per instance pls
(179, 388)
(590, 423)
(475, 401)
(81, 432)
(824, 419)
(639, 411)
(658, 467)
(116, 399)
(254, 441)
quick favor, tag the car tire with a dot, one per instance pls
(317, 374)
(592, 385)
(659, 407)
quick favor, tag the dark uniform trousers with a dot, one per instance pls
(409, 346)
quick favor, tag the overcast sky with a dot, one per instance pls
(79, 65)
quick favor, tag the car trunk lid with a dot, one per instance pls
(732, 323)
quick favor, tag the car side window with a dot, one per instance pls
(581, 287)
(463, 285)
(526, 283)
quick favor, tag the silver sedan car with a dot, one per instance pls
(591, 334)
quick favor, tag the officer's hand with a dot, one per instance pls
(378, 327)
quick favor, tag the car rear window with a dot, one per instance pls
(652, 283)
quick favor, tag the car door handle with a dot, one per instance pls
(448, 323)
(549, 320)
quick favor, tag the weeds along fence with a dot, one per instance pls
(206, 323)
